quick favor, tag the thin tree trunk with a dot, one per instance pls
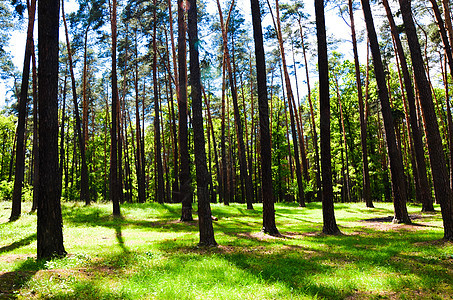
(84, 187)
(239, 128)
(184, 177)
(157, 138)
(366, 192)
(20, 130)
(115, 186)
(35, 131)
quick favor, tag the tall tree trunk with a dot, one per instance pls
(447, 47)
(312, 115)
(20, 130)
(84, 186)
(330, 224)
(396, 164)
(139, 149)
(239, 128)
(157, 138)
(366, 189)
(267, 194)
(216, 158)
(34, 206)
(423, 187)
(225, 189)
(184, 175)
(204, 209)
(115, 185)
(442, 189)
(292, 107)
(49, 224)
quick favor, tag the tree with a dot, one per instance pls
(265, 139)
(204, 209)
(396, 165)
(420, 164)
(84, 182)
(442, 189)
(330, 224)
(49, 225)
(366, 192)
(238, 121)
(157, 138)
(20, 131)
(184, 175)
(115, 183)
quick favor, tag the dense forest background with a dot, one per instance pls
(125, 97)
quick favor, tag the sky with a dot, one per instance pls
(334, 24)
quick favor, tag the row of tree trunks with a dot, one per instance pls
(245, 178)
(396, 165)
(366, 189)
(84, 183)
(442, 189)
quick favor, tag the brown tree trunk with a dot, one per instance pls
(84, 186)
(330, 224)
(157, 138)
(267, 194)
(423, 185)
(184, 175)
(396, 164)
(34, 206)
(292, 109)
(239, 127)
(20, 130)
(49, 224)
(442, 189)
(366, 192)
(115, 186)
(204, 209)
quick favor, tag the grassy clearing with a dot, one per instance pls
(149, 254)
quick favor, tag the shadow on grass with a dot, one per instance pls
(11, 282)
(329, 268)
(23, 242)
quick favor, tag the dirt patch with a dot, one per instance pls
(10, 258)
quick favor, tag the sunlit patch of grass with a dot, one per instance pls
(149, 254)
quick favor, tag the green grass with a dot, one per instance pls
(149, 254)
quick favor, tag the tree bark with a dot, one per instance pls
(204, 209)
(396, 165)
(20, 130)
(49, 224)
(239, 127)
(366, 189)
(330, 224)
(184, 175)
(423, 187)
(442, 189)
(84, 186)
(267, 194)
(115, 185)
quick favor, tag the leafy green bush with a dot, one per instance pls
(6, 190)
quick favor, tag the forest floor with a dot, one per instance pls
(149, 254)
